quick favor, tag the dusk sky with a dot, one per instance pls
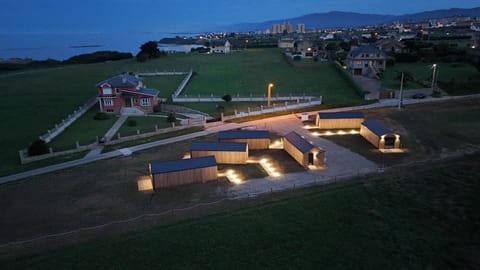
(40, 16)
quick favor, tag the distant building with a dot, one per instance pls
(306, 48)
(475, 27)
(476, 40)
(125, 93)
(286, 43)
(366, 60)
(378, 135)
(220, 46)
(284, 27)
(390, 45)
(300, 28)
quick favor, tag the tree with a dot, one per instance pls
(38, 147)
(148, 50)
(227, 98)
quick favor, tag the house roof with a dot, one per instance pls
(377, 128)
(121, 80)
(300, 143)
(355, 52)
(141, 91)
(218, 146)
(182, 164)
(244, 134)
(340, 115)
(218, 42)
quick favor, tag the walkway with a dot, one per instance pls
(108, 136)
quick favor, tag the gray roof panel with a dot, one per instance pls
(300, 143)
(244, 134)
(182, 164)
(218, 146)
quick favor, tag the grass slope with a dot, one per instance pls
(421, 219)
(35, 100)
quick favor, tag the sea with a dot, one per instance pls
(61, 46)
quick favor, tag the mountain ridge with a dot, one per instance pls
(333, 19)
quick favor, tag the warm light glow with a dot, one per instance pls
(233, 177)
(187, 156)
(341, 132)
(144, 183)
(269, 167)
(271, 85)
(353, 131)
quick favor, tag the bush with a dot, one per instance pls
(297, 58)
(227, 98)
(102, 116)
(171, 118)
(132, 122)
(38, 147)
(157, 108)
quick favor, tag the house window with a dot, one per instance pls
(145, 101)
(368, 55)
(117, 90)
(107, 91)
(108, 102)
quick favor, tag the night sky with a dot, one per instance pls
(42, 16)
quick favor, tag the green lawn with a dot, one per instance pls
(465, 75)
(423, 218)
(35, 100)
(144, 124)
(85, 130)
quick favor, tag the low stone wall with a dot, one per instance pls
(212, 98)
(25, 159)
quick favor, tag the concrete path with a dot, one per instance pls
(116, 126)
(116, 153)
(94, 152)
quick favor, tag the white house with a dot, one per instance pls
(220, 46)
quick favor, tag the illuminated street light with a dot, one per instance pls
(433, 76)
(270, 86)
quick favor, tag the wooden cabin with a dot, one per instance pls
(378, 135)
(302, 150)
(256, 139)
(224, 152)
(339, 120)
(183, 171)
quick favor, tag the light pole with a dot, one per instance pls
(433, 77)
(270, 86)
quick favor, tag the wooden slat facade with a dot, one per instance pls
(253, 144)
(223, 157)
(377, 140)
(344, 123)
(303, 158)
(170, 179)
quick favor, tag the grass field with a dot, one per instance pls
(34, 100)
(144, 124)
(419, 219)
(459, 72)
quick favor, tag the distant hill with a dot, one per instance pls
(352, 19)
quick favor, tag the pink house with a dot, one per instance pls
(125, 91)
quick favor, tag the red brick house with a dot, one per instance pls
(125, 92)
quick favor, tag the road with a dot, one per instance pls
(281, 125)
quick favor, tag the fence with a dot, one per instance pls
(183, 84)
(238, 98)
(60, 127)
(25, 159)
(274, 108)
(161, 73)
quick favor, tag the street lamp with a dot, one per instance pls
(270, 86)
(433, 76)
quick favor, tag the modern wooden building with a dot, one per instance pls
(302, 150)
(183, 171)
(256, 139)
(224, 152)
(339, 120)
(378, 135)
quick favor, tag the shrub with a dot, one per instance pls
(227, 98)
(157, 108)
(297, 58)
(101, 116)
(132, 122)
(38, 147)
(171, 118)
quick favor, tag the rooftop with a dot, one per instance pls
(243, 134)
(182, 164)
(375, 127)
(299, 142)
(122, 80)
(218, 146)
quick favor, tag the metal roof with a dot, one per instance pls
(339, 115)
(244, 134)
(375, 127)
(218, 146)
(300, 143)
(182, 164)
(122, 80)
(148, 92)
(366, 49)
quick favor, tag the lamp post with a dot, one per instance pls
(270, 86)
(433, 77)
